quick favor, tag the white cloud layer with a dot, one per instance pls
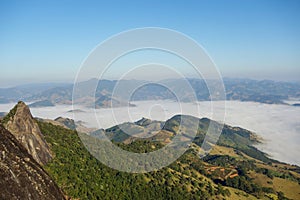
(278, 125)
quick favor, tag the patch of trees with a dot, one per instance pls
(82, 176)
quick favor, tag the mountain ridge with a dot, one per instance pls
(262, 91)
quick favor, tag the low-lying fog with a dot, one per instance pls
(278, 125)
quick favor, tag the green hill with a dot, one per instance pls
(82, 176)
(233, 169)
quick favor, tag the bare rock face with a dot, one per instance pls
(23, 126)
(21, 176)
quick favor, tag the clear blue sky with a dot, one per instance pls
(44, 41)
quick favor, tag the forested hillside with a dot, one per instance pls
(232, 170)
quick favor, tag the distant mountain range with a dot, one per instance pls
(265, 91)
(42, 103)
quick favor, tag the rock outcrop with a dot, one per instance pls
(23, 126)
(21, 176)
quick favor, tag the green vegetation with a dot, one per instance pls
(82, 176)
(141, 146)
(10, 115)
(279, 174)
(237, 138)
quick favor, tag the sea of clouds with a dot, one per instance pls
(278, 125)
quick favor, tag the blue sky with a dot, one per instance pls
(43, 41)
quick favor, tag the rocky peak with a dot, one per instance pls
(23, 126)
(21, 176)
